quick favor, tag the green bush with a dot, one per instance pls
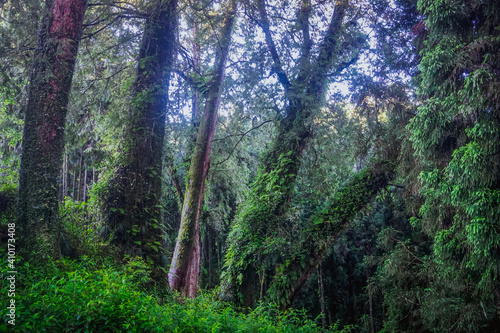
(83, 296)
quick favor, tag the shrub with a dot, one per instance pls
(84, 296)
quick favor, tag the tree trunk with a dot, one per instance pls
(209, 241)
(325, 227)
(79, 196)
(271, 192)
(184, 270)
(85, 184)
(64, 176)
(43, 136)
(133, 207)
(322, 296)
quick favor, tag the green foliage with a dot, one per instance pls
(80, 229)
(83, 296)
(10, 133)
(455, 136)
(251, 239)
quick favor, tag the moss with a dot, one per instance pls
(325, 225)
(132, 204)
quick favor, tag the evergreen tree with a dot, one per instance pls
(132, 207)
(259, 218)
(184, 270)
(43, 136)
(456, 138)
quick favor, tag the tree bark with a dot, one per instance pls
(133, 207)
(43, 136)
(322, 296)
(184, 270)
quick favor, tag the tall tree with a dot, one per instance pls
(43, 136)
(259, 219)
(184, 270)
(133, 207)
(456, 140)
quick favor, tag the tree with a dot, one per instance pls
(456, 139)
(133, 210)
(254, 231)
(43, 136)
(17, 41)
(184, 270)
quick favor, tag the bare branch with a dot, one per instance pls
(328, 50)
(240, 139)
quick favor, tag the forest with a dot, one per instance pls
(250, 166)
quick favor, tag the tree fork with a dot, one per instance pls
(305, 93)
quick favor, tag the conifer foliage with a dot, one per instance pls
(455, 136)
(250, 165)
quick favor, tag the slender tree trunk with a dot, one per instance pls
(322, 296)
(175, 180)
(184, 270)
(73, 193)
(219, 254)
(133, 207)
(209, 241)
(85, 184)
(43, 136)
(64, 176)
(79, 197)
(195, 109)
(370, 301)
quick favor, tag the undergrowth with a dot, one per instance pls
(85, 295)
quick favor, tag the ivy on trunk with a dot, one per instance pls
(184, 270)
(273, 188)
(133, 207)
(43, 137)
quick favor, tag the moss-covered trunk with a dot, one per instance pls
(184, 270)
(133, 207)
(260, 216)
(324, 227)
(45, 116)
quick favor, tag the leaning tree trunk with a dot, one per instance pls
(133, 207)
(184, 270)
(324, 227)
(262, 213)
(43, 136)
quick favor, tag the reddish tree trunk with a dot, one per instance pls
(184, 270)
(43, 136)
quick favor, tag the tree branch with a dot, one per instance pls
(328, 50)
(240, 139)
(303, 19)
(278, 67)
